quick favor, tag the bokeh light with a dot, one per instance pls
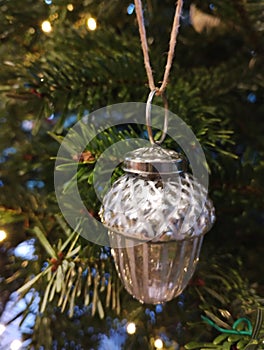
(252, 98)
(158, 308)
(91, 23)
(32, 30)
(131, 328)
(130, 9)
(26, 250)
(27, 125)
(15, 345)
(158, 343)
(35, 184)
(3, 236)
(70, 7)
(46, 27)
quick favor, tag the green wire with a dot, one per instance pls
(233, 330)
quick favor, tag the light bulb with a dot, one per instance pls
(3, 235)
(15, 345)
(70, 7)
(131, 328)
(46, 27)
(91, 23)
(158, 343)
(2, 328)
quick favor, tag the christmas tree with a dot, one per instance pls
(61, 62)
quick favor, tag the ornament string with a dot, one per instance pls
(145, 49)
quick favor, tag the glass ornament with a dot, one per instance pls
(157, 215)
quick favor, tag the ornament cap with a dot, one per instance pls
(155, 161)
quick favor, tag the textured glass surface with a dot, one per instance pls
(156, 227)
(146, 209)
(156, 272)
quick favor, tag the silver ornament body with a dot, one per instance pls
(156, 215)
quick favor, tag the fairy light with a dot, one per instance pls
(2, 328)
(91, 23)
(158, 343)
(15, 345)
(3, 235)
(70, 7)
(131, 328)
(46, 27)
(31, 30)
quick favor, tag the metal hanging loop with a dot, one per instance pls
(148, 118)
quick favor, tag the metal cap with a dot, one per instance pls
(154, 161)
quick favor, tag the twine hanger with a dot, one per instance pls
(145, 49)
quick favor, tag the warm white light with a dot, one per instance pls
(15, 345)
(158, 343)
(46, 27)
(31, 30)
(3, 235)
(2, 328)
(70, 7)
(131, 328)
(91, 23)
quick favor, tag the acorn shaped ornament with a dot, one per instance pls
(157, 215)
